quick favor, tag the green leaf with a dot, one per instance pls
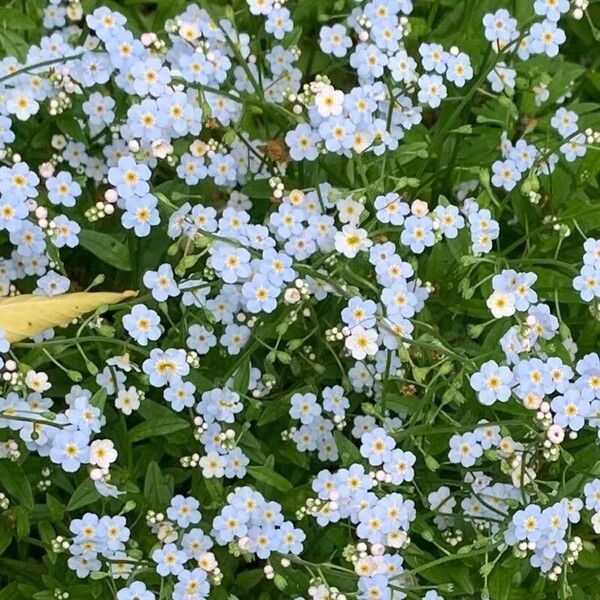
(5, 539)
(85, 494)
(13, 44)
(71, 127)
(15, 482)
(249, 579)
(22, 522)
(10, 592)
(99, 399)
(241, 378)
(55, 507)
(13, 19)
(348, 452)
(258, 189)
(106, 248)
(44, 595)
(150, 429)
(158, 488)
(270, 477)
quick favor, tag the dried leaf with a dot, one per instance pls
(27, 315)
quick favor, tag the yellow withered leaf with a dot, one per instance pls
(27, 315)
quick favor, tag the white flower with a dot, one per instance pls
(128, 400)
(349, 210)
(102, 453)
(212, 465)
(596, 522)
(351, 240)
(207, 562)
(292, 296)
(161, 148)
(362, 342)
(419, 208)
(556, 434)
(329, 101)
(501, 304)
(38, 382)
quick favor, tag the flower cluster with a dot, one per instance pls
(319, 207)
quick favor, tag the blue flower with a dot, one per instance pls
(191, 169)
(52, 284)
(402, 67)
(161, 283)
(431, 90)
(302, 142)
(434, 58)
(142, 324)
(105, 23)
(359, 312)
(169, 560)
(399, 465)
(6, 134)
(184, 511)
(200, 339)
(140, 214)
(180, 394)
(136, 591)
(99, 109)
(65, 232)
(230, 263)
(191, 585)
(418, 233)
(465, 449)
(492, 383)
(150, 76)
(337, 133)
(565, 122)
(505, 174)
(502, 77)
(376, 446)
(236, 465)
(114, 532)
(591, 491)
(260, 294)
(279, 22)
(29, 239)
(449, 220)
(130, 178)
(527, 523)
(391, 209)
(575, 148)
(376, 586)
(291, 539)
(13, 210)
(571, 409)
(145, 121)
(334, 40)
(369, 61)
(304, 407)
(459, 69)
(546, 37)
(551, 9)
(334, 400)
(229, 524)
(222, 169)
(19, 181)
(276, 267)
(164, 366)
(500, 26)
(70, 450)
(587, 283)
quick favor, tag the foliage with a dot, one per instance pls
(360, 357)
